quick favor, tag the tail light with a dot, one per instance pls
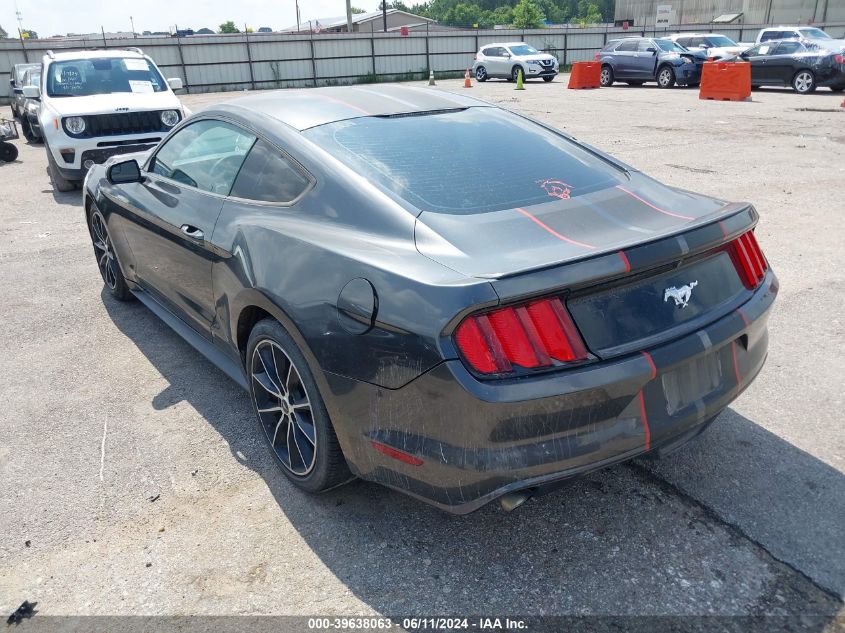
(531, 336)
(840, 59)
(598, 56)
(749, 259)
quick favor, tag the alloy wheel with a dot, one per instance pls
(103, 250)
(605, 76)
(665, 77)
(481, 73)
(283, 407)
(803, 81)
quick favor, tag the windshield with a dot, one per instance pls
(814, 34)
(104, 75)
(467, 161)
(720, 40)
(670, 46)
(523, 49)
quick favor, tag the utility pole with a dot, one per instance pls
(384, 14)
(297, 16)
(132, 22)
(348, 16)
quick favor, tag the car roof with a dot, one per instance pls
(502, 44)
(92, 54)
(309, 107)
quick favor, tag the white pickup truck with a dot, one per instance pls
(812, 33)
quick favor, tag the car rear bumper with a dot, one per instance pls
(477, 440)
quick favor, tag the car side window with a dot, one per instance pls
(207, 155)
(627, 46)
(770, 35)
(788, 48)
(269, 176)
(643, 46)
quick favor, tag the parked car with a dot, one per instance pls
(98, 103)
(812, 33)
(802, 64)
(30, 126)
(636, 60)
(16, 86)
(506, 60)
(402, 320)
(713, 45)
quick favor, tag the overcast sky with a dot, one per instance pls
(52, 17)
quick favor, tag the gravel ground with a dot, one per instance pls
(134, 482)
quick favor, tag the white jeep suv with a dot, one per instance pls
(95, 104)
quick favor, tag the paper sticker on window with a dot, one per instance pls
(141, 86)
(556, 188)
(764, 50)
(136, 64)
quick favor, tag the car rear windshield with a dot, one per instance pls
(104, 75)
(814, 34)
(466, 161)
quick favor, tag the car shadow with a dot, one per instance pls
(620, 541)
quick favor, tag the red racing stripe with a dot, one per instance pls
(648, 204)
(347, 105)
(540, 223)
(651, 364)
(736, 366)
(625, 261)
(645, 422)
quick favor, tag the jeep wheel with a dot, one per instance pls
(59, 182)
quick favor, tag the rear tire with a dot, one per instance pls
(606, 77)
(804, 82)
(286, 399)
(59, 182)
(666, 77)
(8, 152)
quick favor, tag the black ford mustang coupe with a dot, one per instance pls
(433, 293)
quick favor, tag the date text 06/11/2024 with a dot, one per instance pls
(418, 624)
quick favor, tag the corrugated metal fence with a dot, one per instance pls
(255, 61)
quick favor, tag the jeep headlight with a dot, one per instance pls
(75, 124)
(170, 117)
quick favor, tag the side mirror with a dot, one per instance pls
(651, 50)
(175, 83)
(507, 55)
(12, 83)
(31, 92)
(123, 172)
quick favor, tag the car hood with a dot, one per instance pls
(511, 241)
(115, 102)
(726, 50)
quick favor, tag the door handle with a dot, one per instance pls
(193, 232)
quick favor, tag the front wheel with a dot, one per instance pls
(106, 258)
(28, 134)
(606, 77)
(547, 79)
(291, 411)
(804, 82)
(515, 73)
(481, 73)
(666, 77)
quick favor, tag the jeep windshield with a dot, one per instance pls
(104, 75)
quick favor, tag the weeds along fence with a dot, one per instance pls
(261, 61)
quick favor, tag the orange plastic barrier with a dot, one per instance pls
(726, 81)
(585, 75)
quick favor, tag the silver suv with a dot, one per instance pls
(507, 59)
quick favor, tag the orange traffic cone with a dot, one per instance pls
(467, 80)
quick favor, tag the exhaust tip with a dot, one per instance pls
(512, 500)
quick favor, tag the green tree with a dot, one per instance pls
(588, 13)
(500, 15)
(229, 27)
(357, 10)
(527, 15)
(463, 15)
